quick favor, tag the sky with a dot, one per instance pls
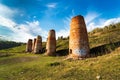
(21, 20)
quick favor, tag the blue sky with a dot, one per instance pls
(24, 19)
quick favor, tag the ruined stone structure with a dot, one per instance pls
(29, 46)
(33, 46)
(78, 42)
(38, 45)
(51, 43)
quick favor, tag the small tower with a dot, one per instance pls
(29, 46)
(38, 45)
(51, 43)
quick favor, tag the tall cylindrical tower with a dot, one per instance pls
(51, 43)
(78, 42)
(38, 45)
(29, 46)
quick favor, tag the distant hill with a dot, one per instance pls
(8, 44)
(106, 35)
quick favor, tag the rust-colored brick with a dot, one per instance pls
(51, 43)
(33, 47)
(29, 46)
(78, 43)
(38, 45)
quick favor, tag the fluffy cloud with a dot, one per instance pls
(29, 30)
(6, 22)
(90, 16)
(6, 15)
(20, 32)
(6, 11)
(102, 23)
(91, 24)
(63, 32)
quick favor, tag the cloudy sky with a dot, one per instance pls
(24, 19)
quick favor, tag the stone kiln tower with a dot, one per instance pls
(33, 47)
(51, 43)
(29, 46)
(38, 45)
(78, 43)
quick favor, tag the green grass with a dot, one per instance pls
(40, 67)
(19, 49)
(104, 38)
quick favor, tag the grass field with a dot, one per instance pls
(22, 66)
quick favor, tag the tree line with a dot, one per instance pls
(8, 44)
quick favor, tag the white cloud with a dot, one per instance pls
(91, 16)
(63, 32)
(23, 32)
(6, 11)
(51, 5)
(102, 23)
(111, 21)
(91, 24)
(31, 29)
(7, 22)
(6, 15)
(20, 32)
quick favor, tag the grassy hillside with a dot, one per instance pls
(108, 34)
(104, 64)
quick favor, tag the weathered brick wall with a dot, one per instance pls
(51, 43)
(38, 45)
(29, 46)
(78, 43)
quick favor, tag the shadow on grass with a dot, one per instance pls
(96, 51)
(54, 64)
(104, 49)
(62, 52)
